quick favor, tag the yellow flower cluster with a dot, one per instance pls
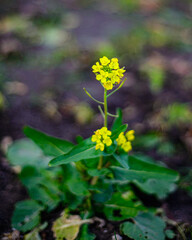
(125, 140)
(108, 72)
(102, 138)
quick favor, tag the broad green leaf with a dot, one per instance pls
(44, 196)
(74, 181)
(118, 121)
(91, 163)
(81, 152)
(122, 159)
(26, 215)
(103, 191)
(67, 227)
(116, 132)
(122, 206)
(149, 177)
(51, 146)
(145, 226)
(85, 235)
(42, 185)
(24, 152)
(96, 172)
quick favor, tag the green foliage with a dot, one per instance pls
(144, 226)
(118, 122)
(24, 153)
(150, 178)
(42, 185)
(26, 215)
(122, 206)
(89, 181)
(74, 181)
(85, 150)
(84, 234)
(50, 146)
(103, 192)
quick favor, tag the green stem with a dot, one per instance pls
(112, 115)
(95, 179)
(100, 164)
(92, 97)
(105, 107)
(101, 111)
(117, 88)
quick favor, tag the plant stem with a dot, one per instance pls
(92, 97)
(105, 107)
(117, 88)
(95, 179)
(100, 164)
(101, 111)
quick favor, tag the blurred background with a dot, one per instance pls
(47, 49)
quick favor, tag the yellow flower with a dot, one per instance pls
(102, 76)
(107, 141)
(104, 130)
(104, 61)
(121, 139)
(102, 138)
(108, 73)
(96, 138)
(124, 140)
(115, 78)
(97, 132)
(108, 85)
(130, 135)
(100, 146)
(127, 146)
(120, 72)
(97, 67)
(114, 63)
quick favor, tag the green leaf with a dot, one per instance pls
(42, 185)
(24, 152)
(51, 146)
(74, 181)
(85, 235)
(150, 178)
(118, 121)
(44, 196)
(122, 206)
(96, 172)
(81, 152)
(103, 193)
(122, 159)
(116, 132)
(26, 215)
(145, 226)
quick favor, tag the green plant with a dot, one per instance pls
(94, 177)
